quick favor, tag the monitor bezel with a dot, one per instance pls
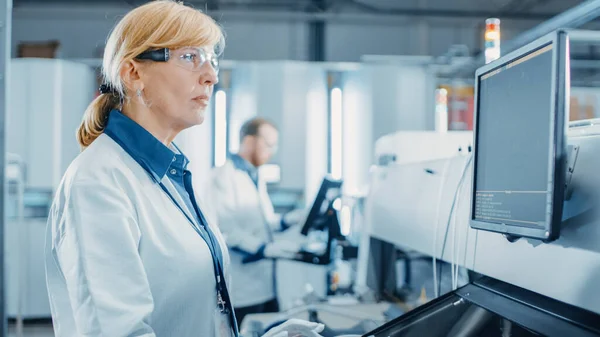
(327, 183)
(558, 124)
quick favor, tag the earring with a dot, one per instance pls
(139, 93)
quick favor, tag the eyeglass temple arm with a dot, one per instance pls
(158, 55)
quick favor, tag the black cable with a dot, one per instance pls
(460, 182)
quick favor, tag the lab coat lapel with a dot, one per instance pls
(250, 193)
(209, 217)
(265, 201)
(247, 185)
(177, 197)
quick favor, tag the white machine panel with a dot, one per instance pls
(419, 146)
(405, 207)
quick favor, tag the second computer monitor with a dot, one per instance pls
(319, 216)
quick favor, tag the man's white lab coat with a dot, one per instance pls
(121, 258)
(246, 219)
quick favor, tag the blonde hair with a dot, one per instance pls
(155, 25)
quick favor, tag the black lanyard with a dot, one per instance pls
(223, 299)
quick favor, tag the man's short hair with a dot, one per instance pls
(251, 127)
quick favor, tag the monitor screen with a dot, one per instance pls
(516, 147)
(317, 218)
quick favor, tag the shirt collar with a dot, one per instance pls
(142, 146)
(241, 163)
(244, 165)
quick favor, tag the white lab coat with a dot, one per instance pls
(243, 214)
(121, 258)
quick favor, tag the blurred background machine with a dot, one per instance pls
(515, 217)
(504, 219)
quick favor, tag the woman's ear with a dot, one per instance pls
(131, 76)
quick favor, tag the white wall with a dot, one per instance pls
(48, 99)
(317, 128)
(293, 95)
(242, 102)
(358, 140)
(398, 98)
(380, 100)
(83, 31)
(197, 144)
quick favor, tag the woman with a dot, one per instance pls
(129, 251)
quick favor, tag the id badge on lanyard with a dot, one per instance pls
(223, 326)
(222, 318)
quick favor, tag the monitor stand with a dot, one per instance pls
(511, 238)
(333, 233)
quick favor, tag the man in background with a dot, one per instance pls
(247, 220)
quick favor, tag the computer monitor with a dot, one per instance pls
(521, 111)
(322, 215)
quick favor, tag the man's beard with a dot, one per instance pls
(254, 159)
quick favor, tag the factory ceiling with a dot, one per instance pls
(507, 9)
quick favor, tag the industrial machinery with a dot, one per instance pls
(520, 214)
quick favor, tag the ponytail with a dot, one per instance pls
(95, 118)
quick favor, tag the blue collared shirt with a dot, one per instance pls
(159, 160)
(243, 165)
(152, 155)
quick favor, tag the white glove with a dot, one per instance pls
(282, 249)
(296, 328)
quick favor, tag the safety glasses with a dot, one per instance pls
(189, 58)
(272, 147)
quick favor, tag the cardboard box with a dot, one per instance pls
(47, 49)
